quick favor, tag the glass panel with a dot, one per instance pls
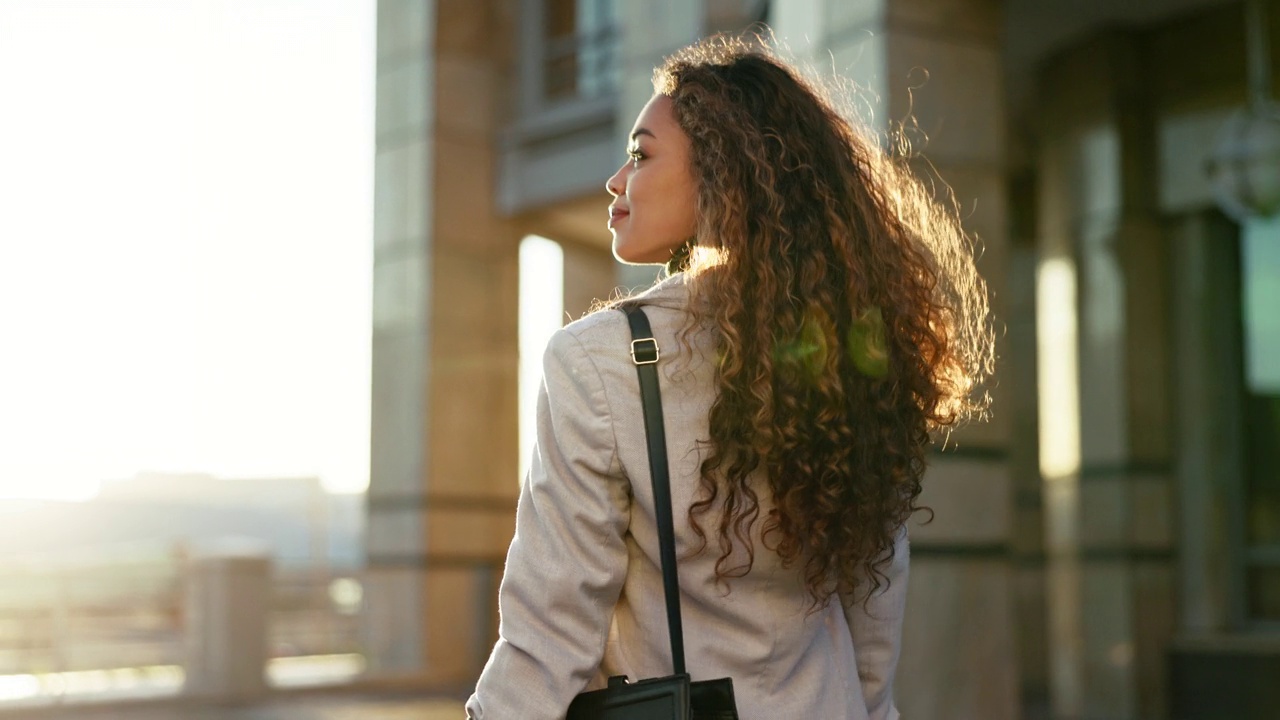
(581, 48)
(1264, 593)
(561, 49)
(1260, 287)
(1260, 291)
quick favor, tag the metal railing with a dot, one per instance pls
(77, 617)
(124, 629)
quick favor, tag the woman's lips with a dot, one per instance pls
(617, 216)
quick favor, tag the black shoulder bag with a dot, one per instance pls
(673, 696)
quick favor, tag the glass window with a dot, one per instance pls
(581, 48)
(1260, 299)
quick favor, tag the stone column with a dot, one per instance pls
(403, 183)
(445, 449)
(1098, 115)
(938, 62)
(472, 472)
(228, 599)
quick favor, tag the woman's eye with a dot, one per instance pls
(635, 155)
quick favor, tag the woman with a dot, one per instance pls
(822, 318)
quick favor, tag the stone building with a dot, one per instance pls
(1108, 546)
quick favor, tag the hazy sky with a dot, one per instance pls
(185, 240)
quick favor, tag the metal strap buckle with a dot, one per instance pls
(645, 350)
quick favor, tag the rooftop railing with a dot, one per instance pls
(167, 628)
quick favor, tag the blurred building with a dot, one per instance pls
(294, 519)
(1108, 546)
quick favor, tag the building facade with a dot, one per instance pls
(1107, 546)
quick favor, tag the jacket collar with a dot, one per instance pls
(671, 292)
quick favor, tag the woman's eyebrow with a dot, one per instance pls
(642, 131)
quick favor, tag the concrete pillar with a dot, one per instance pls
(226, 607)
(445, 467)
(938, 62)
(403, 199)
(1098, 121)
(472, 479)
(1209, 418)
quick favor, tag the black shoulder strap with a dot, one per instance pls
(644, 353)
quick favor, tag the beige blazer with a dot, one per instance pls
(581, 597)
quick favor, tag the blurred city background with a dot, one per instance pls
(276, 275)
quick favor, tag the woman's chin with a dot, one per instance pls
(630, 255)
(632, 260)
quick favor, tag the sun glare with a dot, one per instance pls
(186, 241)
(541, 314)
(1057, 374)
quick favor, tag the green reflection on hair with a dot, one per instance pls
(866, 344)
(807, 353)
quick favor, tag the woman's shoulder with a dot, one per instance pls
(608, 325)
(604, 326)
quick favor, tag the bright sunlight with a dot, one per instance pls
(185, 240)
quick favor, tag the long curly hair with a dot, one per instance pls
(851, 323)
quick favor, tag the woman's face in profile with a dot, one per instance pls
(653, 211)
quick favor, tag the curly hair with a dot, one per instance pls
(851, 323)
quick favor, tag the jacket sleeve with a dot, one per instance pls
(876, 628)
(566, 565)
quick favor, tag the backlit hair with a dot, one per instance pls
(851, 323)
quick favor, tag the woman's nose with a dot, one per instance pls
(617, 184)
